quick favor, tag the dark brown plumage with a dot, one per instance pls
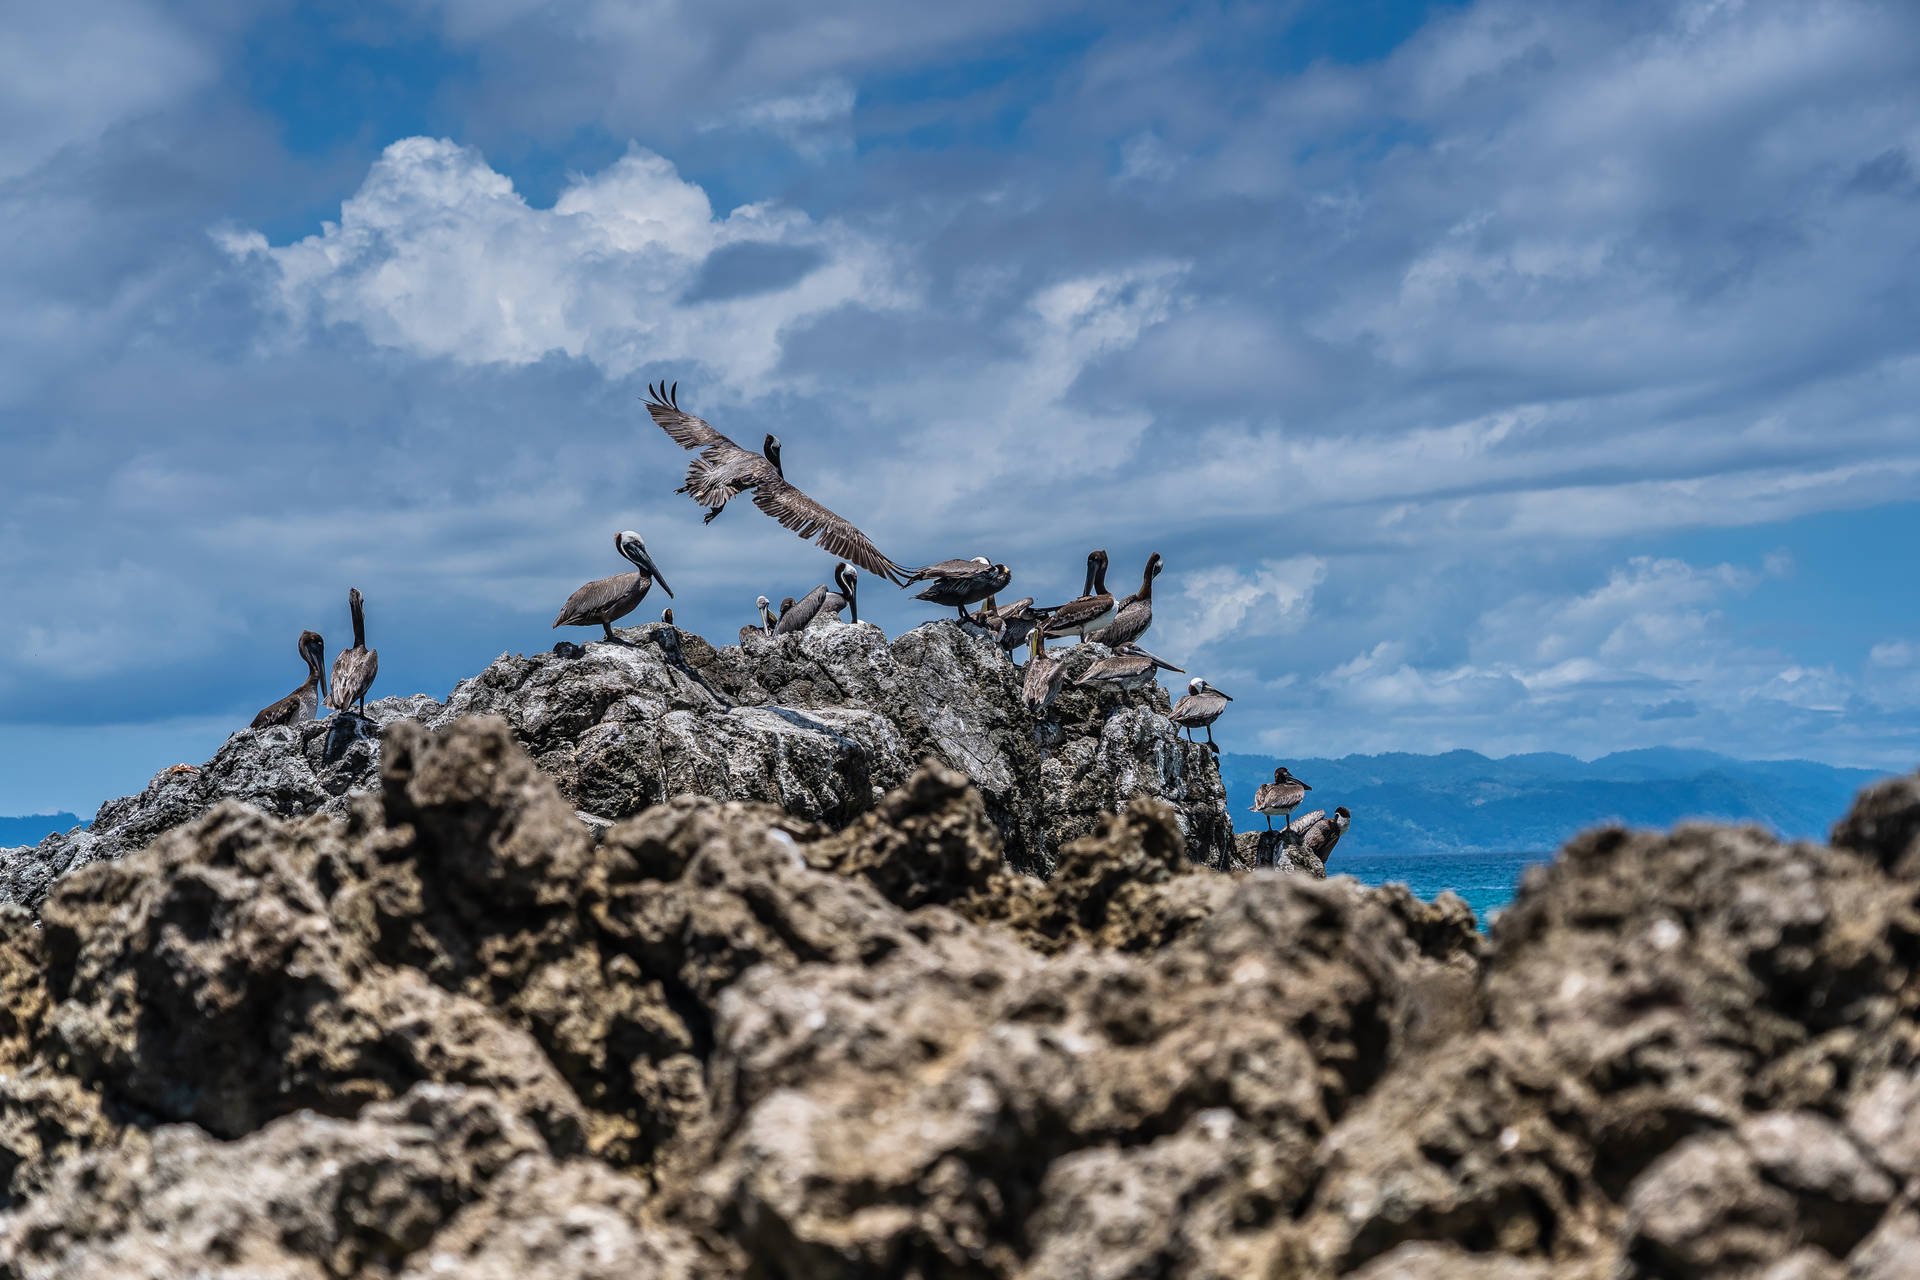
(1090, 610)
(303, 703)
(607, 600)
(724, 470)
(1319, 834)
(821, 601)
(961, 582)
(354, 669)
(1010, 624)
(1134, 614)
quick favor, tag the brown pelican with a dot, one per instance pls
(1091, 610)
(354, 669)
(961, 582)
(821, 602)
(1130, 667)
(1134, 614)
(1044, 676)
(1319, 833)
(1200, 707)
(1011, 624)
(666, 615)
(724, 470)
(610, 599)
(304, 702)
(767, 615)
(1282, 795)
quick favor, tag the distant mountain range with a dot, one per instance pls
(1464, 802)
(34, 828)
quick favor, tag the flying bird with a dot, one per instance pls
(1130, 667)
(821, 602)
(724, 470)
(1319, 833)
(303, 703)
(610, 599)
(1134, 614)
(354, 669)
(1091, 610)
(961, 582)
(1202, 705)
(1282, 795)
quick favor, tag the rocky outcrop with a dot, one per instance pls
(464, 1032)
(822, 723)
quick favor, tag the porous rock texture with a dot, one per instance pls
(822, 722)
(463, 1032)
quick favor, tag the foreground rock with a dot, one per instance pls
(822, 723)
(461, 1033)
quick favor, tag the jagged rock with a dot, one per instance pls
(306, 1196)
(822, 723)
(287, 771)
(460, 1032)
(1279, 850)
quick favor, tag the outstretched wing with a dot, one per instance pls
(686, 430)
(832, 534)
(958, 569)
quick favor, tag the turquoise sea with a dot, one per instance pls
(1486, 880)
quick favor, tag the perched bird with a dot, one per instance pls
(1044, 676)
(1200, 707)
(1282, 795)
(610, 599)
(354, 669)
(821, 602)
(1134, 614)
(724, 470)
(786, 607)
(1011, 624)
(303, 703)
(961, 582)
(666, 615)
(1130, 667)
(1319, 833)
(767, 615)
(1090, 611)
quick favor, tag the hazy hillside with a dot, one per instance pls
(34, 828)
(1464, 802)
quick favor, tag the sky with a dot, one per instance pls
(1491, 375)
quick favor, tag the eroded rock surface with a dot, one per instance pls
(823, 723)
(463, 1032)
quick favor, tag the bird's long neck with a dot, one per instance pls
(1099, 580)
(1086, 588)
(359, 626)
(1146, 585)
(313, 669)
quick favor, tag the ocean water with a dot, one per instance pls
(1486, 880)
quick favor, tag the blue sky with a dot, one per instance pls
(1491, 375)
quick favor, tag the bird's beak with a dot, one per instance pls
(645, 561)
(1227, 696)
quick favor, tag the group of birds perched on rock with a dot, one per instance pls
(721, 472)
(353, 673)
(1318, 832)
